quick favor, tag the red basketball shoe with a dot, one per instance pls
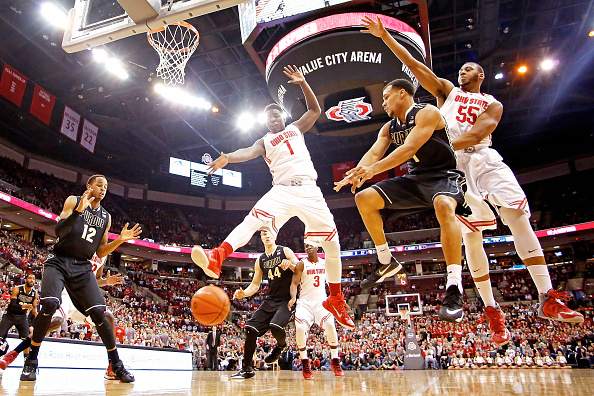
(337, 307)
(336, 368)
(307, 374)
(212, 261)
(109, 374)
(7, 359)
(500, 335)
(552, 307)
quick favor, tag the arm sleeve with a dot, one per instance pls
(65, 225)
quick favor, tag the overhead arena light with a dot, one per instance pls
(246, 121)
(522, 69)
(116, 67)
(179, 96)
(499, 76)
(548, 64)
(54, 14)
(99, 54)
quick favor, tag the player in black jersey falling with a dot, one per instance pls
(82, 231)
(420, 134)
(23, 299)
(276, 264)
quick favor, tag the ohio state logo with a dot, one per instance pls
(351, 110)
(206, 158)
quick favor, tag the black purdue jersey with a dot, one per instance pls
(83, 239)
(436, 155)
(279, 281)
(22, 298)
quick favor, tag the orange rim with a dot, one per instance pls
(181, 23)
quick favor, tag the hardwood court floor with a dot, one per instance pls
(286, 383)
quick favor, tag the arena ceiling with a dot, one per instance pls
(547, 116)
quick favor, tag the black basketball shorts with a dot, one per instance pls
(271, 312)
(19, 321)
(415, 193)
(77, 276)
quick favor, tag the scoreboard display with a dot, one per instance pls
(197, 172)
(401, 279)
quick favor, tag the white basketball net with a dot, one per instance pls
(175, 44)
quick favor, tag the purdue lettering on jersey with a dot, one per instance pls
(462, 108)
(22, 298)
(437, 154)
(85, 236)
(287, 156)
(313, 280)
(279, 280)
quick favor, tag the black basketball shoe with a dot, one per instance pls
(244, 373)
(381, 272)
(451, 308)
(30, 369)
(274, 354)
(121, 373)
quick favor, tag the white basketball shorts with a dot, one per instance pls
(488, 178)
(281, 203)
(312, 311)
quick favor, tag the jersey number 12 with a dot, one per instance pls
(89, 233)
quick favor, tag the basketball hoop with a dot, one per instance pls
(175, 44)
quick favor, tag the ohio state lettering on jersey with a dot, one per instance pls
(279, 280)
(462, 108)
(313, 280)
(287, 156)
(97, 262)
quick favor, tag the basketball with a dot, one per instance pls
(210, 305)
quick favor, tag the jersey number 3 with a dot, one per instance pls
(316, 281)
(467, 114)
(89, 233)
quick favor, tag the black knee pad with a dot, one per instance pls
(49, 306)
(97, 315)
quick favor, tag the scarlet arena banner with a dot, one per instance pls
(42, 104)
(12, 85)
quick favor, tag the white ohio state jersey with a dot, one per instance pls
(97, 263)
(287, 156)
(462, 108)
(313, 280)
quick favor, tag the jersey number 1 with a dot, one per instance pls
(89, 233)
(289, 146)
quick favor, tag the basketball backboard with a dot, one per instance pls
(96, 22)
(404, 304)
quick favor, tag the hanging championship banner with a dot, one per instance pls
(12, 85)
(70, 123)
(42, 104)
(89, 136)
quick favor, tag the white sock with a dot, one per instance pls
(383, 253)
(455, 276)
(333, 262)
(334, 353)
(486, 292)
(303, 354)
(541, 278)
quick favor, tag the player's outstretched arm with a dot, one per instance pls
(254, 286)
(242, 155)
(426, 121)
(291, 260)
(310, 117)
(373, 155)
(484, 125)
(438, 87)
(295, 283)
(125, 235)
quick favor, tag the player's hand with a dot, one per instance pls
(239, 293)
(374, 27)
(85, 200)
(27, 307)
(294, 74)
(356, 176)
(133, 233)
(219, 163)
(117, 279)
(286, 264)
(290, 303)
